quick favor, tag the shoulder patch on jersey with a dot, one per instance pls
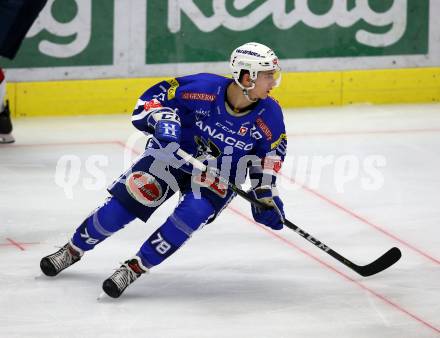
(275, 144)
(264, 128)
(172, 90)
(198, 96)
(152, 104)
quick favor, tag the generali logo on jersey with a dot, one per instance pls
(198, 96)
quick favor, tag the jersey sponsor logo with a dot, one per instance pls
(143, 187)
(168, 130)
(198, 96)
(255, 134)
(201, 114)
(218, 135)
(212, 183)
(272, 163)
(225, 128)
(152, 104)
(172, 90)
(160, 96)
(242, 131)
(264, 128)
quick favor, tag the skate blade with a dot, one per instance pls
(101, 296)
(40, 276)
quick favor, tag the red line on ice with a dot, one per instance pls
(57, 144)
(351, 213)
(312, 134)
(16, 244)
(363, 220)
(340, 273)
(291, 244)
(339, 206)
(364, 132)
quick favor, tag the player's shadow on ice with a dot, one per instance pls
(72, 276)
(183, 288)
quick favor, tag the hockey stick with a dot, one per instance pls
(383, 262)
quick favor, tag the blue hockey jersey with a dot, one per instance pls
(211, 130)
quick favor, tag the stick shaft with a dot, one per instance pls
(383, 262)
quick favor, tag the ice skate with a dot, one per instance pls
(6, 125)
(53, 264)
(131, 270)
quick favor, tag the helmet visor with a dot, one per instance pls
(272, 75)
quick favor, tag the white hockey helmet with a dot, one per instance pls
(254, 57)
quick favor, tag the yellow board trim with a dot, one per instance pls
(11, 97)
(301, 89)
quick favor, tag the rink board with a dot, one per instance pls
(299, 89)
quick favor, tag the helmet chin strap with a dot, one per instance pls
(245, 90)
(246, 95)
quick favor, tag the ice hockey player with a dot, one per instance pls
(16, 18)
(230, 124)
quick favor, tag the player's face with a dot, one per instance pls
(265, 82)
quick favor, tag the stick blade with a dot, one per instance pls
(383, 262)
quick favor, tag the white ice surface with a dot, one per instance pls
(233, 278)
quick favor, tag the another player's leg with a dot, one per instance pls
(5, 115)
(101, 224)
(189, 215)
